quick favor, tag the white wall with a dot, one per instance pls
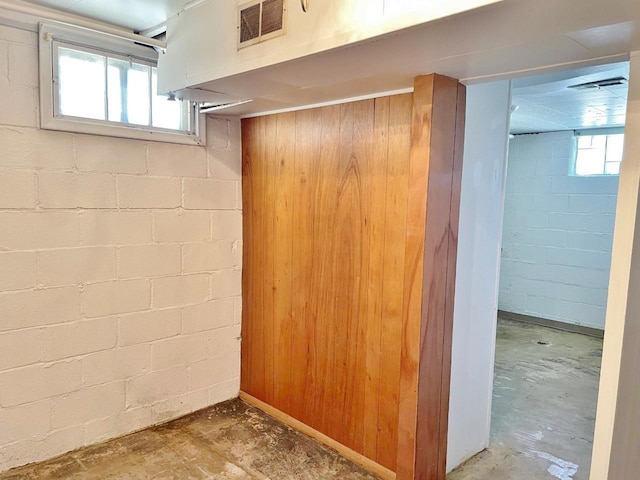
(119, 275)
(617, 434)
(475, 309)
(558, 232)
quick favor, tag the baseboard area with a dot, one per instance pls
(355, 457)
(545, 322)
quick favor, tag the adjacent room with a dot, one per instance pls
(270, 239)
(567, 135)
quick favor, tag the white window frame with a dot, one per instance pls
(591, 132)
(53, 36)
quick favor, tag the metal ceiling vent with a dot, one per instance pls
(259, 21)
(607, 82)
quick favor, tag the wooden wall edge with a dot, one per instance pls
(366, 463)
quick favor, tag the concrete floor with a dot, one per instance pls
(543, 419)
(544, 405)
(231, 441)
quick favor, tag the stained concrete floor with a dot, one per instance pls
(544, 405)
(542, 428)
(231, 441)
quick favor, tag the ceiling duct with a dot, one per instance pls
(259, 21)
(608, 82)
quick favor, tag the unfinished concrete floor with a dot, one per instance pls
(544, 405)
(231, 441)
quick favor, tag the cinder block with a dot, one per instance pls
(23, 65)
(181, 226)
(19, 349)
(72, 190)
(224, 340)
(149, 326)
(87, 336)
(116, 364)
(36, 449)
(153, 387)
(19, 271)
(226, 283)
(17, 189)
(182, 350)
(172, 407)
(218, 133)
(227, 225)
(224, 391)
(225, 164)
(177, 160)
(115, 228)
(37, 382)
(205, 257)
(238, 311)
(31, 230)
(209, 194)
(37, 149)
(76, 265)
(34, 308)
(214, 371)
(148, 261)
(110, 298)
(110, 154)
(182, 290)
(121, 423)
(87, 404)
(208, 316)
(25, 421)
(149, 192)
(18, 106)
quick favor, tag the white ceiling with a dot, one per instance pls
(546, 104)
(136, 15)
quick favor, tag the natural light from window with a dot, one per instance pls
(599, 154)
(99, 87)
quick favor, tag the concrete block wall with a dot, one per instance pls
(120, 266)
(558, 233)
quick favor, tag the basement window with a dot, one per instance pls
(92, 83)
(598, 154)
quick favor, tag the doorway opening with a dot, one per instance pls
(567, 133)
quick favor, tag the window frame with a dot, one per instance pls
(593, 133)
(52, 37)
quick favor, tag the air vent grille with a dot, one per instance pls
(260, 20)
(608, 82)
(250, 23)
(272, 16)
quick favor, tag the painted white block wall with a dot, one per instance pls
(558, 233)
(476, 300)
(120, 266)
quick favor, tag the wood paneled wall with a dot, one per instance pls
(335, 217)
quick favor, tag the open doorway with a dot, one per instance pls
(561, 191)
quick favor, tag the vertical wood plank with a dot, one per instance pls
(269, 249)
(283, 288)
(393, 283)
(376, 275)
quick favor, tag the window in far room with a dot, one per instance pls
(599, 154)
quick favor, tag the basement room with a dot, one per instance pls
(305, 239)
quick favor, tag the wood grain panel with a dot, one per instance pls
(338, 203)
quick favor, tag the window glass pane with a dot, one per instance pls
(81, 78)
(612, 168)
(138, 94)
(115, 80)
(167, 113)
(590, 162)
(615, 146)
